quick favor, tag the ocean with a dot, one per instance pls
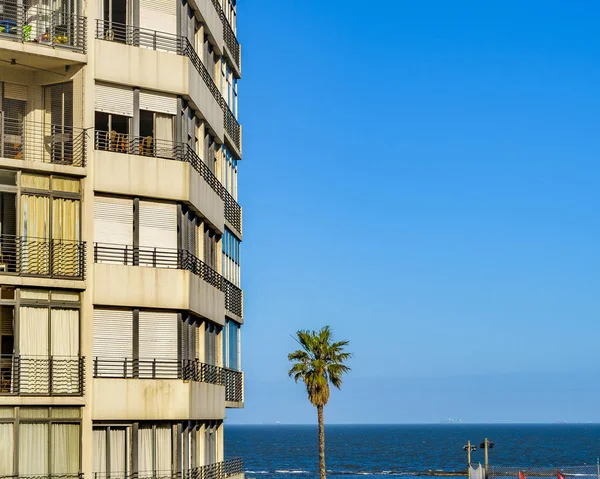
(356, 451)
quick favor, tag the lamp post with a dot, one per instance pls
(469, 448)
(486, 445)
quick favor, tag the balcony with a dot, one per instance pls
(39, 25)
(218, 470)
(229, 38)
(42, 375)
(150, 147)
(42, 257)
(168, 42)
(41, 142)
(129, 255)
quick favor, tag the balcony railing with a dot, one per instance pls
(186, 369)
(42, 375)
(148, 146)
(52, 258)
(43, 142)
(41, 24)
(233, 298)
(169, 42)
(229, 35)
(156, 258)
(218, 470)
(129, 255)
(234, 385)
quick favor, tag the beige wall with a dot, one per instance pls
(158, 71)
(157, 399)
(136, 286)
(148, 177)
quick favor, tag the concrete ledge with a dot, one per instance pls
(42, 56)
(42, 401)
(234, 404)
(32, 281)
(158, 288)
(150, 177)
(156, 399)
(38, 166)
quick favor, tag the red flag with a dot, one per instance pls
(559, 475)
(521, 475)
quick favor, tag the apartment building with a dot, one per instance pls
(120, 297)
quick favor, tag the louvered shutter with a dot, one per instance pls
(158, 102)
(15, 91)
(158, 234)
(113, 229)
(113, 342)
(192, 235)
(158, 344)
(114, 99)
(159, 15)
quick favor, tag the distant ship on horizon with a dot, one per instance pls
(452, 420)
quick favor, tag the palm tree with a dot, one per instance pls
(318, 363)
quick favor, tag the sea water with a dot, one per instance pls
(283, 451)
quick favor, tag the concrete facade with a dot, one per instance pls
(120, 298)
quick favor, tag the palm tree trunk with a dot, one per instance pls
(321, 442)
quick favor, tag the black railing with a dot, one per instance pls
(41, 24)
(218, 470)
(233, 298)
(228, 34)
(188, 369)
(59, 475)
(234, 385)
(46, 143)
(138, 37)
(42, 375)
(156, 258)
(42, 257)
(233, 211)
(169, 42)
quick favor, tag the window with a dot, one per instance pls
(115, 439)
(155, 449)
(229, 173)
(231, 257)
(231, 345)
(13, 106)
(47, 441)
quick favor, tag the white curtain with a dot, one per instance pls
(99, 454)
(33, 444)
(65, 349)
(163, 133)
(145, 448)
(118, 467)
(6, 449)
(163, 450)
(65, 448)
(33, 349)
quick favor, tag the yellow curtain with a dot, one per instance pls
(35, 228)
(65, 233)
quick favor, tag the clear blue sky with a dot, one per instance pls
(424, 176)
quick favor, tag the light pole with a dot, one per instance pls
(469, 448)
(486, 445)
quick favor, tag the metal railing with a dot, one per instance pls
(43, 142)
(218, 470)
(233, 298)
(233, 211)
(234, 385)
(41, 24)
(138, 37)
(169, 42)
(42, 375)
(511, 472)
(54, 258)
(229, 35)
(156, 258)
(187, 369)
